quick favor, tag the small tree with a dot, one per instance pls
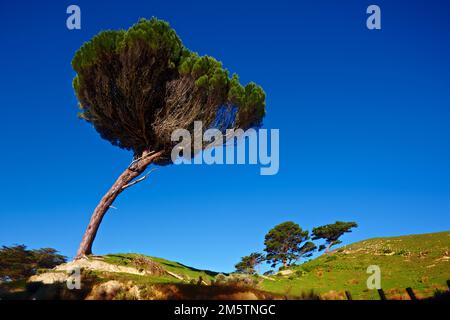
(331, 233)
(137, 86)
(283, 243)
(248, 263)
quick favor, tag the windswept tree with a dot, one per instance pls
(331, 233)
(136, 86)
(249, 263)
(283, 244)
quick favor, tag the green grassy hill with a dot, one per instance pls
(418, 261)
(421, 262)
(187, 274)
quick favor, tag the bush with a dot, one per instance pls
(403, 253)
(330, 258)
(300, 273)
(387, 250)
(150, 266)
(220, 278)
(236, 281)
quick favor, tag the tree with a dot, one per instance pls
(17, 262)
(248, 263)
(331, 233)
(283, 243)
(137, 86)
(48, 258)
(306, 250)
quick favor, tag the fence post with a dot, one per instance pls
(348, 295)
(448, 284)
(381, 294)
(411, 293)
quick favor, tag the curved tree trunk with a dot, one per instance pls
(124, 181)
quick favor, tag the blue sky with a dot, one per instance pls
(364, 119)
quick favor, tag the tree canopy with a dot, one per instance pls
(306, 250)
(332, 232)
(283, 243)
(17, 262)
(137, 86)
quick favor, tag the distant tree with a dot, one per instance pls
(248, 263)
(331, 233)
(17, 262)
(136, 86)
(47, 258)
(283, 244)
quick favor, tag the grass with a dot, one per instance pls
(188, 273)
(418, 261)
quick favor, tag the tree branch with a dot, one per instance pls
(138, 180)
(140, 158)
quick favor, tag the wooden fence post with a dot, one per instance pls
(381, 293)
(448, 284)
(348, 295)
(411, 294)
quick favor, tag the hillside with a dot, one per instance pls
(418, 261)
(134, 276)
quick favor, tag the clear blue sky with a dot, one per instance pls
(364, 119)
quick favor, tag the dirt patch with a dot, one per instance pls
(49, 277)
(143, 267)
(97, 265)
(333, 295)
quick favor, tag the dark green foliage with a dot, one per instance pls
(137, 86)
(307, 249)
(332, 232)
(283, 244)
(15, 263)
(18, 263)
(248, 263)
(47, 258)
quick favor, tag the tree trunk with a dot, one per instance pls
(328, 247)
(132, 172)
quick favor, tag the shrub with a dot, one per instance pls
(330, 258)
(236, 281)
(150, 266)
(300, 273)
